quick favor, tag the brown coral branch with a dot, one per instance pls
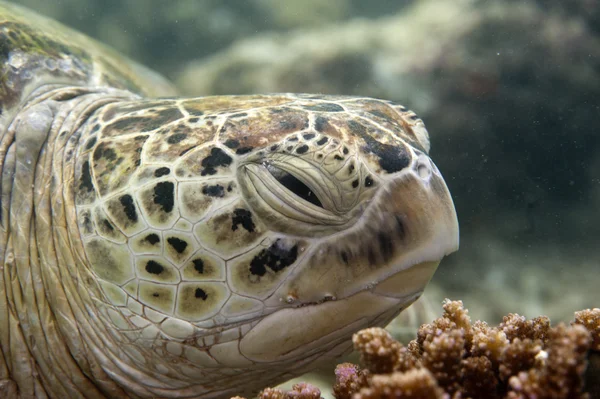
(453, 358)
(520, 358)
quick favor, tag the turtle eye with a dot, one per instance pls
(293, 184)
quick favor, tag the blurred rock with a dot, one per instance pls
(163, 34)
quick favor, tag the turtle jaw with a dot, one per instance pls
(319, 332)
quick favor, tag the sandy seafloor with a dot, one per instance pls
(510, 93)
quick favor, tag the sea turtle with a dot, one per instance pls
(195, 247)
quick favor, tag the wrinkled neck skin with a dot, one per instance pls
(67, 338)
(50, 344)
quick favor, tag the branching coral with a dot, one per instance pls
(590, 319)
(298, 391)
(452, 358)
(518, 359)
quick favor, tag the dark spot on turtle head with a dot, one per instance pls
(226, 126)
(214, 191)
(243, 150)
(292, 139)
(193, 120)
(132, 124)
(217, 158)
(108, 225)
(355, 183)
(287, 125)
(243, 217)
(152, 239)
(368, 181)
(400, 229)
(321, 123)
(156, 295)
(308, 136)
(129, 207)
(194, 112)
(371, 256)
(163, 171)
(344, 256)
(383, 116)
(413, 117)
(200, 294)
(86, 178)
(198, 265)
(154, 267)
(95, 128)
(178, 244)
(91, 142)
(350, 168)
(302, 149)
(164, 195)
(232, 143)
(187, 150)
(102, 151)
(322, 141)
(392, 158)
(229, 187)
(345, 150)
(277, 257)
(289, 148)
(239, 115)
(338, 157)
(162, 117)
(176, 138)
(386, 246)
(274, 147)
(324, 107)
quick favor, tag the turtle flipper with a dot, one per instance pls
(35, 51)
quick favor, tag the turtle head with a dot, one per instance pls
(360, 217)
(258, 232)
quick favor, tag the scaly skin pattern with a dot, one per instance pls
(204, 247)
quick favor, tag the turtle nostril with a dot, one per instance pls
(294, 185)
(423, 168)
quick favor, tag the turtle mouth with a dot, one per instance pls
(310, 329)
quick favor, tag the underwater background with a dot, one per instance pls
(509, 91)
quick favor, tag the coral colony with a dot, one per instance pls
(453, 358)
